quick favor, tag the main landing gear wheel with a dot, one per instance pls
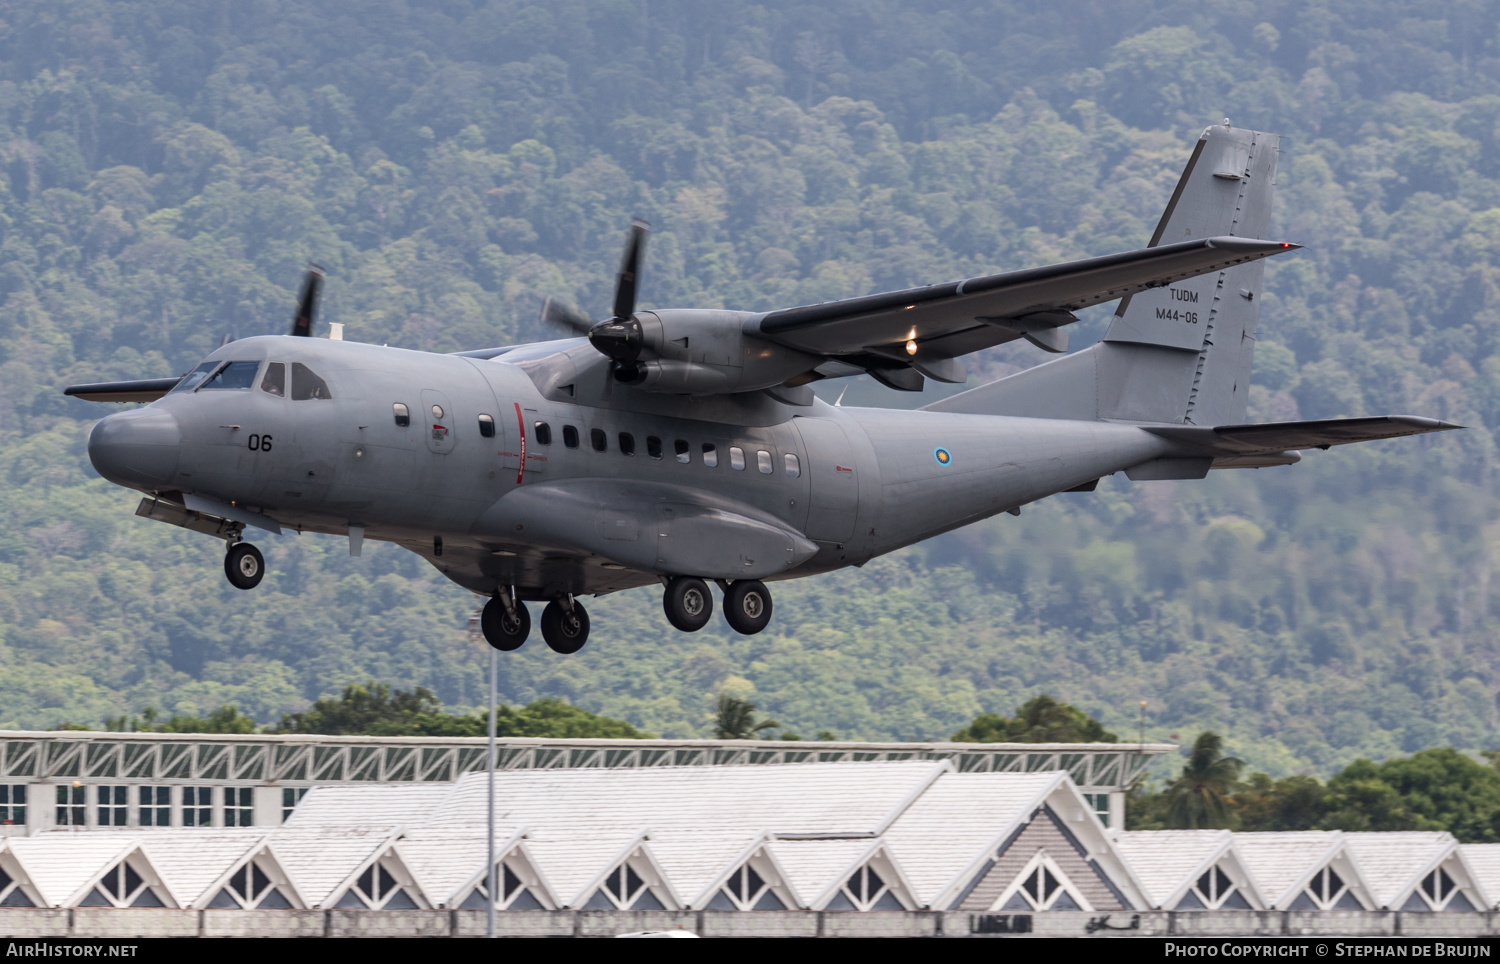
(747, 606)
(244, 565)
(565, 629)
(688, 603)
(502, 630)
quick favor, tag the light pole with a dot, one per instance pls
(476, 633)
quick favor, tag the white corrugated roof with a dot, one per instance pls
(318, 859)
(1279, 859)
(190, 859)
(1484, 862)
(952, 827)
(385, 804)
(443, 859)
(572, 862)
(694, 859)
(60, 864)
(1390, 861)
(813, 866)
(792, 798)
(1164, 859)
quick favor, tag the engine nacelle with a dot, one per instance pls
(706, 352)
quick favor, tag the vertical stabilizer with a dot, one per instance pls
(1225, 190)
(1182, 352)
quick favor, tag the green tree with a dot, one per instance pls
(1437, 789)
(734, 719)
(1200, 797)
(1041, 719)
(1292, 803)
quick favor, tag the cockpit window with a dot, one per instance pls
(275, 381)
(236, 374)
(195, 377)
(306, 384)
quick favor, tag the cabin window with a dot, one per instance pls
(598, 439)
(236, 374)
(710, 455)
(275, 381)
(763, 462)
(542, 433)
(653, 446)
(684, 451)
(570, 436)
(792, 468)
(486, 426)
(627, 443)
(736, 458)
(402, 413)
(306, 384)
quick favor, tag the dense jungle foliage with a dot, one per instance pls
(168, 167)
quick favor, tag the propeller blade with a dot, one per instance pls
(630, 267)
(565, 316)
(307, 304)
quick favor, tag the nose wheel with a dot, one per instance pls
(747, 606)
(244, 565)
(502, 630)
(565, 626)
(688, 603)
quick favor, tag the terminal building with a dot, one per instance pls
(1002, 834)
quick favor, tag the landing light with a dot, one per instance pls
(911, 348)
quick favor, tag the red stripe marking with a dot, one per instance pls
(521, 425)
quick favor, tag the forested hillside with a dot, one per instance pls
(168, 168)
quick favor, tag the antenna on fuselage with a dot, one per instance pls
(307, 303)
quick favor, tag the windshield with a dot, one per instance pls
(217, 374)
(236, 374)
(195, 377)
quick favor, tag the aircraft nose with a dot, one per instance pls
(136, 449)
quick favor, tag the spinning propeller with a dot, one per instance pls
(307, 303)
(619, 337)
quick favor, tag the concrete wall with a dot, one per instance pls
(25, 922)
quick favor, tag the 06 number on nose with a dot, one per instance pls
(260, 443)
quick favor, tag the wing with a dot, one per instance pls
(1244, 440)
(145, 390)
(959, 317)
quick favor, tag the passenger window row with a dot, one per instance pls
(599, 441)
(682, 450)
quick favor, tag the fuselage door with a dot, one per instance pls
(831, 470)
(437, 422)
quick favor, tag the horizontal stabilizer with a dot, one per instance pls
(1284, 436)
(144, 390)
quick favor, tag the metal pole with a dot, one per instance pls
(494, 894)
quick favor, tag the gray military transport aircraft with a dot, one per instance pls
(681, 446)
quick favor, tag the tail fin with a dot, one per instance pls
(1180, 353)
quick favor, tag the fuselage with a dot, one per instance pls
(534, 470)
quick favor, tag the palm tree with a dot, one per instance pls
(1199, 799)
(734, 719)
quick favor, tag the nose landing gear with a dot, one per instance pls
(565, 626)
(244, 565)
